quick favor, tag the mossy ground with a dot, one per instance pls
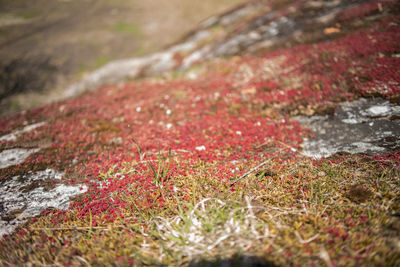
(161, 157)
(307, 211)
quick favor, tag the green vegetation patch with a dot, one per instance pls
(127, 28)
(336, 211)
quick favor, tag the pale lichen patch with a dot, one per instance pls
(15, 156)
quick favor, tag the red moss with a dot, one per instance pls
(213, 113)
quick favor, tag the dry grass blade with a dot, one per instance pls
(251, 171)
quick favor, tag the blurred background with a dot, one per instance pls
(47, 45)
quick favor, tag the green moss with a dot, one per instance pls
(127, 28)
(101, 61)
(103, 126)
(303, 207)
(29, 15)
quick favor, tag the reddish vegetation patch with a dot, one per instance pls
(227, 116)
(332, 71)
(132, 144)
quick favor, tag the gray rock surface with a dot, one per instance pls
(369, 126)
(26, 196)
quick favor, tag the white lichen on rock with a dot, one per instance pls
(15, 156)
(14, 135)
(24, 196)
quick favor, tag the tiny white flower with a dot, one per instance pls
(138, 109)
(196, 99)
(258, 123)
(200, 148)
(191, 75)
(293, 149)
(169, 125)
(238, 132)
(168, 112)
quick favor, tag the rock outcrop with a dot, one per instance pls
(272, 129)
